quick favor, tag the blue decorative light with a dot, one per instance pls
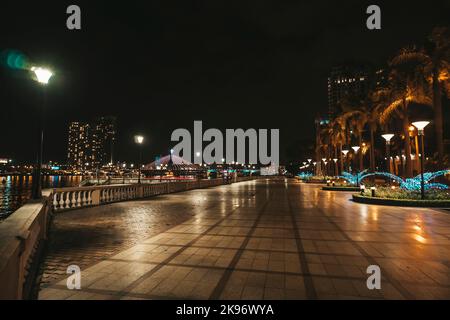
(414, 183)
(354, 179)
(410, 184)
(305, 175)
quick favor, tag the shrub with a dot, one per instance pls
(397, 193)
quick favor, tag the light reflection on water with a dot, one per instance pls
(16, 190)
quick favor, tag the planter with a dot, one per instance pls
(344, 189)
(402, 202)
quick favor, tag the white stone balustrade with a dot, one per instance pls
(23, 233)
(78, 197)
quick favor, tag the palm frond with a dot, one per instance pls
(387, 112)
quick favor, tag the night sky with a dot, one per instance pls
(160, 65)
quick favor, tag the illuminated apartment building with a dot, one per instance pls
(78, 146)
(346, 83)
(91, 145)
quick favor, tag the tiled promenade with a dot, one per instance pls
(266, 240)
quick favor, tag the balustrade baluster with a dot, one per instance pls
(65, 200)
(70, 197)
(55, 200)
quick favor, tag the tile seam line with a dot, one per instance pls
(220, 286)
(172, 256)
(371, 260)
(58, 279)
(309, 284)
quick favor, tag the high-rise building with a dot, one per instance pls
(103, 135)
(347, 82)
(78, 146)
(91, 145)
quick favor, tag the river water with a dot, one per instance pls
(16, 190)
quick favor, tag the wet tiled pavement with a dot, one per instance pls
(266, 239)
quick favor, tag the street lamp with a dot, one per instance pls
(42, 76)
(139, 140)
(345, 152)
(388, 137)
(324, 160)
(356, 149)
(420, 125)
(336, 171)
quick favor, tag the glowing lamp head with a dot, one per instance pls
(388, 137)
(197, 154)
(420, 125)
(335, 160)
(344, 152)
(309, 160)
(42, 75)
(139, 139)
(356, 148)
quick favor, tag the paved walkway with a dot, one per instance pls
(268, 239)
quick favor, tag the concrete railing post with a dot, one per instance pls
(95, 197)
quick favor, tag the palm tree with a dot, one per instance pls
(359, 120)
(377, 100)
(339, 138)
(437, 69)
(407, 85)
(336, 131)
(356, 115)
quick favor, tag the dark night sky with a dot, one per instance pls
(160, 65)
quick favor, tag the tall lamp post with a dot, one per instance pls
(388, 137)
(309, 165)
(139, 140)
(345, 152)
(325, 169)
(420, 125)
(42, 76)
(356, 149)
(336, 171)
